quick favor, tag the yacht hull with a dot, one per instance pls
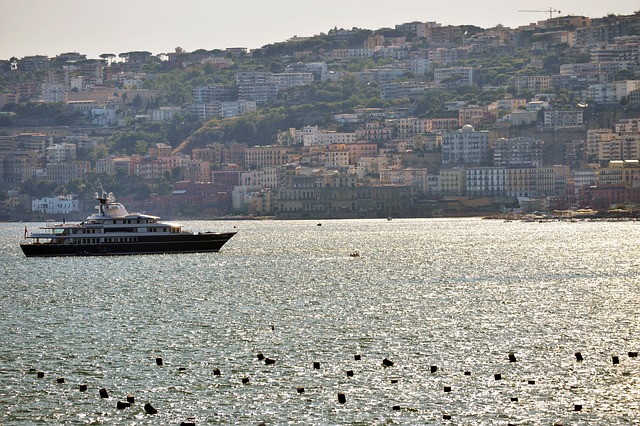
(196, 243)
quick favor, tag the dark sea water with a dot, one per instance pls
(457, 294)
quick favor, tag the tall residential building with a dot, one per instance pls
(466, 146)
(519, 151)
(557, 118)
(603, 145)
(454, 76)
(486, 181)
(535, 83)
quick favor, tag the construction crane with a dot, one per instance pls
(550, 11)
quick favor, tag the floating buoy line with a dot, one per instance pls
(341, 395)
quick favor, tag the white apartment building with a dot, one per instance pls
(369, 165)
(415, 177)
(314, 136)
(584, 177)
(629, 126)
(61, 152)
(486, 181)
(319, 69)
(164, 113)
(236, 108)
(206, 110)
(610, 92)
(518, 151)
(465, 146)
(63, 204)
(291, 79)
(256, 86)
(464, 75)
(618, 52)
(269, 177)
(53, 92)
(557, 118)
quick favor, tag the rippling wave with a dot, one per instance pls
(456, 294)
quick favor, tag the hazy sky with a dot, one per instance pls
(50, 27)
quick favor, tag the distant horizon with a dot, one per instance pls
(49, 28)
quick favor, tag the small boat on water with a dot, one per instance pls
(114, 231)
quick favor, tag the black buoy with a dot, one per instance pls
(357, 357)
(531, 382)
(316, 365)
(349, 373)
(60, 380)
(187, 424)
(512, 357)
(121, 405)
(269, 361)
(131, 399)
(149, 409)
(216, 372)
(446, 416)
(260, 356)
(578, 356)
(434, 368)
(83, 388)
(40, 374)
(245, 380)
(497, 376)
(615, 359)
(273, 327)
(396, 408)
(394, 381)
(514, 399)
(467, 373)
(158, 361)
(300, 389)
(104, 393)
(387, 362)
(577, 407)
(447, 388)
(633, 354)
(342, 398)
(32, 371)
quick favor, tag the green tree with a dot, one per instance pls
(141, 147)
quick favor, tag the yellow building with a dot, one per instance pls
(620, 173)
(452, 182)
(522, 182)
(264, 156)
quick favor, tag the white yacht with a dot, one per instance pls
(114, 231)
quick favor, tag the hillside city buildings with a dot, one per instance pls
(516, 151)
